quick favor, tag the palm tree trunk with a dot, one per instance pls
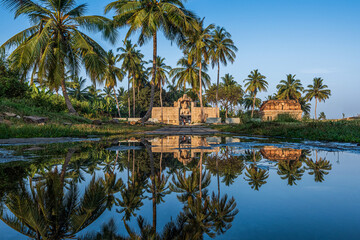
(161, 104)
(117, 102)
(66, 163)
(129, 93)
(200, 93)
(133, 170)
(67, 99)
(217, 86)
(200, 182)
(148, 113)
(315, 108)
(153, 190)
(217, 173)
(253, 106)
(133, 86)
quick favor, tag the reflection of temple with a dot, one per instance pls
(184, 112)
(270, 110)
(277, 154)
(184, 147)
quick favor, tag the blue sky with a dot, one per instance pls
(309, 38)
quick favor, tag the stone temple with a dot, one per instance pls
(184, 112)
(271, 109)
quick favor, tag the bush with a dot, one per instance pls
(286, 118)
(10, 87)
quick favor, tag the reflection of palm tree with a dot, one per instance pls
(131, 198)
(290, 170)
(46, 212)
(188, 186)
(318, 168)
(112, 186)
(256, 177)
(223, 212)
(108, 231)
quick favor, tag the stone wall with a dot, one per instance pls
(209, 112)
(270, 115)
(171, 115)
(271, 109)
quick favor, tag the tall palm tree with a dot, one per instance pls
(149, 17)
(113, 74)
(132, 59)
(162, 72)
(222, 50)
(319, 91)
(54, 43)
(290, 88)
(188, 73)
(198, 46)
(255, 83)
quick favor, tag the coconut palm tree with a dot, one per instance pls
(222, 50)
(149, 17)
(94, 94)
(290, 170)
(290, 88)
(223, 211)
(319, 91)
(188, 186)
(197, 45)
(228, 80)
(162, 72)
(131, 62)
(318, 168)
(256, 177)
(76, 88)
(255, 83)
(188, 73)
(54, 43)
(112, 74)
(305, 105)
(49, 210)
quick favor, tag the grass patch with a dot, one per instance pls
(22, 108)
(340, 131)
(79, 130)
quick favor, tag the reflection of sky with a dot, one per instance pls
(307, 38)
(308, 210)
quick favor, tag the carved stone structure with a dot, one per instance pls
(277, 154)
(270, 110)
(185, 148)
(184, 112)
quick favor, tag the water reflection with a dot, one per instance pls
(47, 203)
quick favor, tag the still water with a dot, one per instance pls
(185, 187)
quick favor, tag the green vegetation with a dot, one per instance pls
(60, 123)
(340, 131)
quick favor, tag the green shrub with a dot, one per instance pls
(286, 118)
(10, 87)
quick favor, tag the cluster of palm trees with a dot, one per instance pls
(289, 89)
(54, 45)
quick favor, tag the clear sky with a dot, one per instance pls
(309, 38)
